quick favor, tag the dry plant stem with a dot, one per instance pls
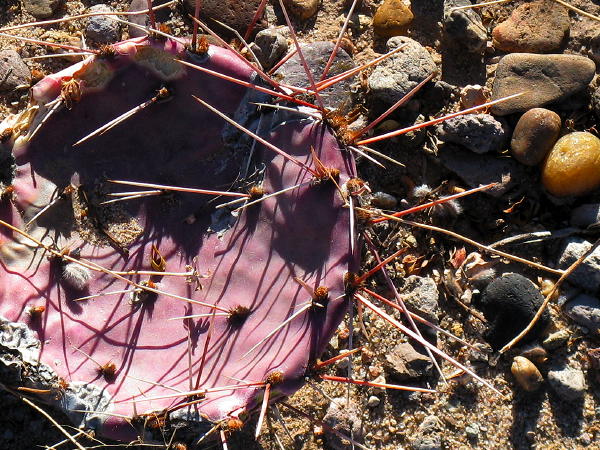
(48, 44)
(473, 243)
(537, 236)
(478, 5)
(439, 201)
(577, 10)
(54, 422)
(380, 385)
(338, 41)
(544, 304)
(83, 16)
(435, 121)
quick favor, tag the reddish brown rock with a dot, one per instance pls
(535, 134)
(537, 27)
(392, 18)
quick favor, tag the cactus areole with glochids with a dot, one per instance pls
(142, 298)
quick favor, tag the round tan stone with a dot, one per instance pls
(302, 9)
(573, 165)
(392, 18)
(535, 134)
(526, 374)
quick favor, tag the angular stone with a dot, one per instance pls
(543, 79)
(270, 45)
(536, 27)
(42, 9)
(421, 295)
(394, 77)
(344, 417)
(568, 383)
(585, 310)
(480, 133)
(13, 71)
(392, 18)
(102, 29)
(464, 28)
(587, 275)
(404, 362)
(535, 134)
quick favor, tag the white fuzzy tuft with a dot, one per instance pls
(76, 276)
(421, 191)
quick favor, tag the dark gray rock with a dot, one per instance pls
(509, 303)
(102, 29)
(394, 77)
(317, 54)
(480, 133)
(476, 170)
(585, 310)
(464, 27)
(344, 417)
(42, 9)
(596, 102)
(270, 45)
(383, 200)
(568, 383)
(404, 362)
(13, 71)
(421, 295)
(585, 215)
(543, 79)
(587, 275)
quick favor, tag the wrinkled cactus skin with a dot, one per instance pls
(249, 260)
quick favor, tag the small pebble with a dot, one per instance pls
(472, 431)
(543, 79)
(536, 27)
(556, 340)
(13, 71)
(344, 417)
(270, 45)
(302, 9)
(509, 303)
(573, 165)
(472, 95)
(392, 18)
(568, 383)
(421, 295)
(383, 200)
(373, 401)
(536, 354)
(42, 9)
(526, 374)
(102, 29)
(534, 136)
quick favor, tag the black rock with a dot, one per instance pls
(509, 303)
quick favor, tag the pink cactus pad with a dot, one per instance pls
(248, 259)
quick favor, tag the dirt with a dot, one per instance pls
(510, 418)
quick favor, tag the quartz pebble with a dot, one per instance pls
(573, 165)
(527, 375)
(542, 79)
(536, 27)
(392, 18)
(535, 134)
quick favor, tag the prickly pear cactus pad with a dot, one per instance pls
(164, 298)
